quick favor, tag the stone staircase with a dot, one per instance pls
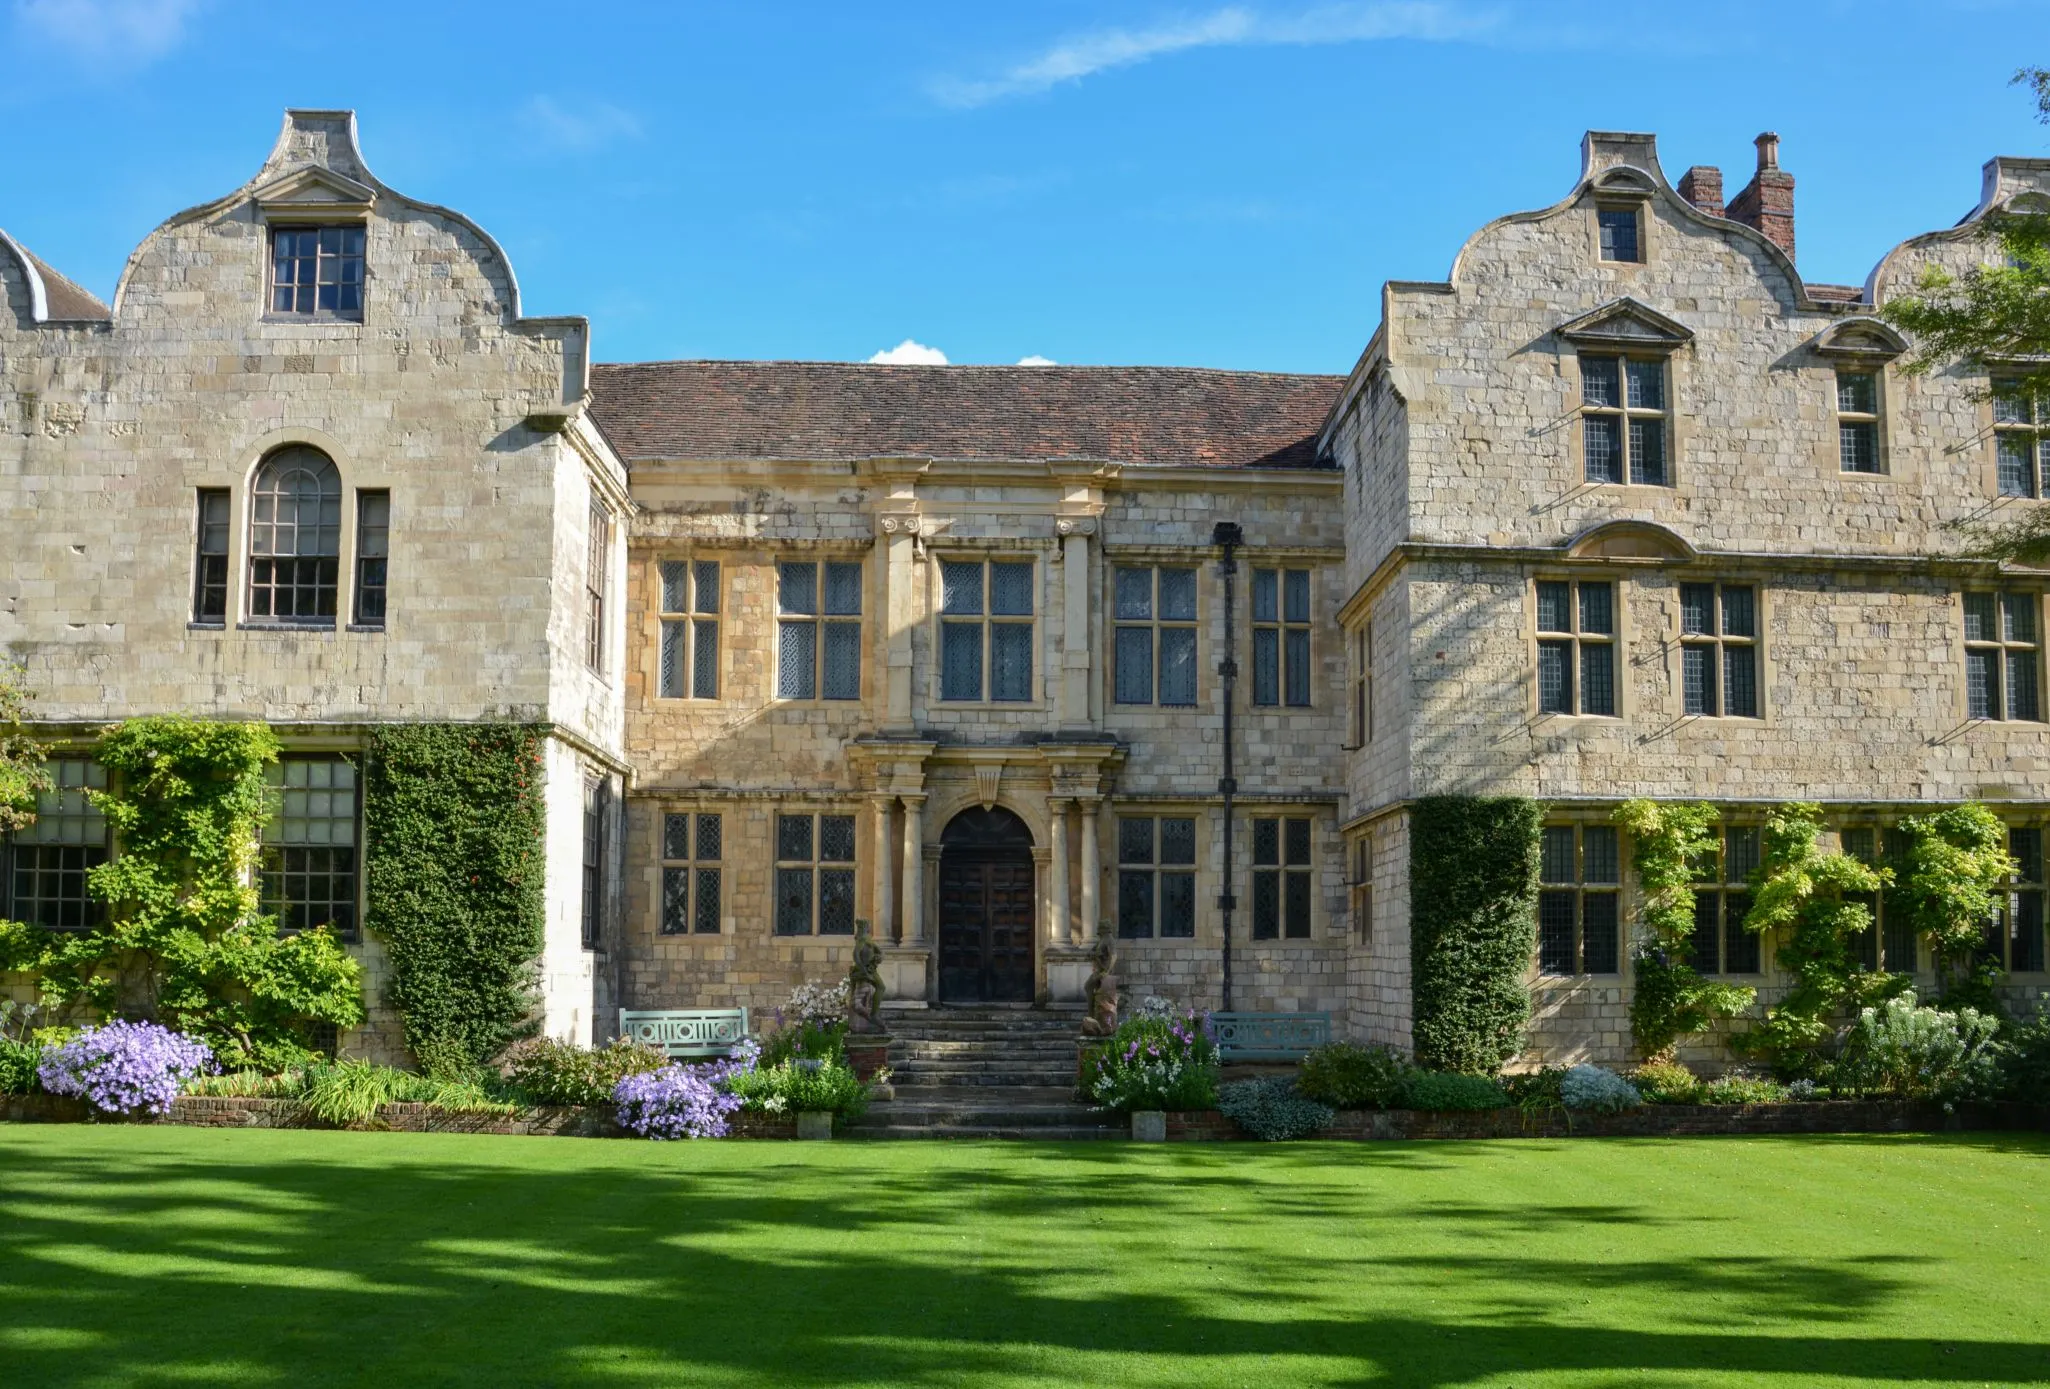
(983, 1072)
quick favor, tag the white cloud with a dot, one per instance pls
(122, 32)
(1035, 360)
(579, 130)
(1073, 59)
(909, 353)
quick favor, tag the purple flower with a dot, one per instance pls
(125, 1067)
(684, 1101)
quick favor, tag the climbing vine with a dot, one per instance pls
(454, 818)
(1671, 999)
(1473, 866)
(183, 941)
(1950, 884)
(21, 756)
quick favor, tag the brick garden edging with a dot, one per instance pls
(1650, 1121)
(215, 1112)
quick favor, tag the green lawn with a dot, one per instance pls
(160, 1256)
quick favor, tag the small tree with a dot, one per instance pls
(1671, 1000)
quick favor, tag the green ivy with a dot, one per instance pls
(1670, 999)
(454, 818)
(1949, 884)
(21, 757)
(184, 943)
(1473, 878)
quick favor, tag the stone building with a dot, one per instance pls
(1624, 507)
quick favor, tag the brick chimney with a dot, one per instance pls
(1767, 202)
(1702, 185)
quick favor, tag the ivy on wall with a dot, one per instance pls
(1949, 884)
(1670, 998)
(1473, 865)
(183, 942)
(455, 822)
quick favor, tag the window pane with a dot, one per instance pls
(1267, 905)
(2017, 476)
(1857, 392)
(836, 838)
(675, 586)
(2025, 931)
(675, 901)
(1135, 905)
(1600, 381)
(1708, 920)
(793, 838)
(1178, 595)
(1981, 617)
(1858, 446)
(1697, 680)
(1982, 684)
(797, 588)
(1740, 686)
(1618, 233)
(796, 660)
(1599, 858)
(1010, 659)
(1740, 853)
(2010, 403)
(1648, 452)
(1555, 857)
(1555, 677)
(2021, 686)
(711, 838)
(1598, 679)
(1697, 609)
(1178, 904)
(1135, 840)
(1740, 612)
(1740, 947)
(1296, 595)
(793, 901)
(2026, 845)
(843, 660)
(705, 583)
(1267, 841)
(1010, 589)
(960, 660)
(1135, 595)
(704, 665)
(836, 901)
(1266, 596)
(1601, 933)
(2018, 612)
(705, 920)
(676, 836)
(1177, 840)
(1178, 665)
(1899, 940)
(1604, 447)
(961, 587)
(843, 590)
(1296, 906)
(1296, 643)
(1858, 844)
(1266, 665)
(1296, 842)
(1597, 608)
(1647, 385)
(1555, 932)
(1134, 673)
(1554, 607)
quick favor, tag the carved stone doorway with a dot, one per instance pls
(986, 909)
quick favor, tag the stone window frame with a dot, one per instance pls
(688, 628)
(287, 226)
(1877, 841)
(1281, 628)
(283, 857)
(54, 855)
(1721, 645)
(1275, 873)
(814, 868)
(1627, 415)
(1618, 641)
(1036, 697)
(1156, 626)
(1155, 870)
(1856, 420)
(2002, 647)
(2020, 416)
(1578, 887)
(1723, 896)
(820, 625)
(702, 862)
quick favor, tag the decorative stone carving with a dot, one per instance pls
(864, 981)
(988, 776)
(1101, 992)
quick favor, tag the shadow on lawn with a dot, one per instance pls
(366, 1267)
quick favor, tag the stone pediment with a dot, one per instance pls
(1860, 340)
(1645, 541)
(314, 191)
(1626, 326)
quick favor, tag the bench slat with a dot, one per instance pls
(686, 1031)
(1270, 1036)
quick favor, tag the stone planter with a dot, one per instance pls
(815, 1123)
(1149, 1126)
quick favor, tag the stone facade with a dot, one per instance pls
(1425, 501)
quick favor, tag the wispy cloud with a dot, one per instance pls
(1073, 59)
(124, 33)
(1035, 360)
(910, 353)
(581, 129)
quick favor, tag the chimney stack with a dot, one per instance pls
(1702, 185)
(1767, 202)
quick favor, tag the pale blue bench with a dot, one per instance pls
(1270, 1036)
(687, 1031)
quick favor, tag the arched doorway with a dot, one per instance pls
(986, 908)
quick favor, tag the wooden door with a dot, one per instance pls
(986, 927)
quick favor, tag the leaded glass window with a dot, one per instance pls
(1857, 422)
(1623, 419)
(814, 875)
(1618, 229)
(1722, 899)
(818, 630)
(1281, 637)
(48, 862)
(690, 630)
(308, 865)
(693, 847)
(1719, 650)
(1579, 900)
(1576, 647)
(2002, 655)
(986, 620)
(1155, 638)
(1156, 876)
(1282, 891)
(2021, 440)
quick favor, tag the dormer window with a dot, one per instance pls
(1619, 234)
(317, 272)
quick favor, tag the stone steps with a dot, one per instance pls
(984, 1073)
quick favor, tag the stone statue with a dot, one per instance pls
(1102, 991)
(864, 982)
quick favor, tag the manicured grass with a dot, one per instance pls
(159, 1256)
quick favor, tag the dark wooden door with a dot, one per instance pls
(986, 927)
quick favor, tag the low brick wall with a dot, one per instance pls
(1650, 1121)
(212, 1112)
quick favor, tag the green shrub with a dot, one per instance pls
(1598, 1090)
(1665, 1082)
(1670, 999)
(249, 1085)
(1450, 1090)
(1346, 1076)
(550, 1072)
(2025, 1063)
(1269, 1107)
(1473, 866)
(1739, 1088)
(1154, 1063)
(349, 1092)
(18, 1062)
(1912, 1053)
(799, 1085)
(1535, 1092)
(805, 1040)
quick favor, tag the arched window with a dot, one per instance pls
(295, 537)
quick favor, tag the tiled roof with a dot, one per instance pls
(66, 300)
(1174, 416)
(1835, 294)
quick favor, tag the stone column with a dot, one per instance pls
(889, 930)
(1058, 930)
(1092, 872)
(1073, 696)
(914, 868)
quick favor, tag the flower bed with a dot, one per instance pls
(1647, 1121)
(237, 1112)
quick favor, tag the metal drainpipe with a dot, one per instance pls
(1228, 535)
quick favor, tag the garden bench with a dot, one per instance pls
(686, 1031)
(1270, 1036)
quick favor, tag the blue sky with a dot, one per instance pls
(1203, 184)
